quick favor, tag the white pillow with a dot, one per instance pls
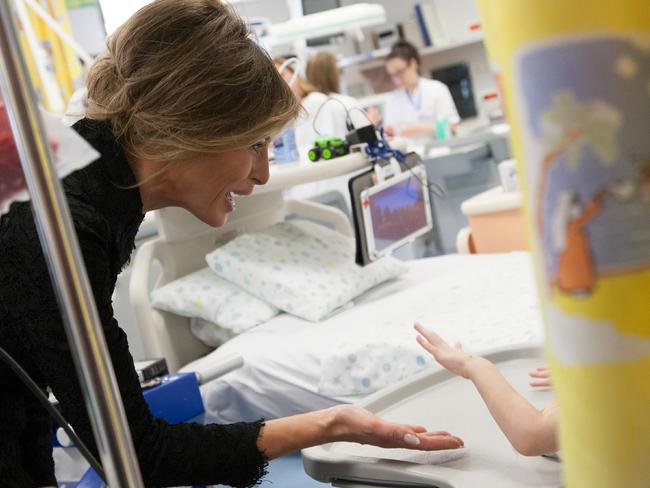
(302, 268)
(205, 295)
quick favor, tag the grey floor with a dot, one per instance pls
(287, 472)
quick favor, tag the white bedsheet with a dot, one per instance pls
(292, 365)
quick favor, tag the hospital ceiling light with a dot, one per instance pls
(326, 23)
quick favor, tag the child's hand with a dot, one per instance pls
(542, 378)
(452, 358)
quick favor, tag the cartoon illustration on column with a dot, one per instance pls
(587, 178)
(587, 147)
(578, 94)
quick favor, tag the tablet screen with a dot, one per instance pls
(398, 212)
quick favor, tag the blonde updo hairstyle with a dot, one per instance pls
(185, 76)
(323, 73)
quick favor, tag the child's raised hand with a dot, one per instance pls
(452, 358)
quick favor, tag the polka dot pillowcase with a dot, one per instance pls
(205, 295)
(300, 267)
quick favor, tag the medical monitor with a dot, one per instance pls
(396, 211)
(458, 79)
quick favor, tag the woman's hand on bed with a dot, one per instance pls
(355, 424)
(346, 423)
(452, 358)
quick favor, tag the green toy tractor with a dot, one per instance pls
(328, 147)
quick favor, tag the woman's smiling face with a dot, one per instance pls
(205, 183)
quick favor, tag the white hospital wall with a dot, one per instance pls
(455, 16)
(274, 10)
(454, 13)
(117, 11)
(88, 28)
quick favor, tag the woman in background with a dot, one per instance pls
(324, 74)
(417, 104)
(327, 112)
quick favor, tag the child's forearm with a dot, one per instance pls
(530, 431)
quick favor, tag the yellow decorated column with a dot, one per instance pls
(576, 81)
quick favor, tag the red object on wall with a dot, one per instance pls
(12, 179)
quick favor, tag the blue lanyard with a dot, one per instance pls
(417, 101)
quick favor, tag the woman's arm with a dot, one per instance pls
(418, 129)
(169, 455)
(347, 423)
(530, 431)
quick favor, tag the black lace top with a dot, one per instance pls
(106, 218)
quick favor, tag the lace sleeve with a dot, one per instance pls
(169, 455)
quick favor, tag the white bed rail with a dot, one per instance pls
(163, 334)
(322, 213)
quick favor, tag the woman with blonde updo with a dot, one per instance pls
(181, 109)
(326, 111)
(323, 72)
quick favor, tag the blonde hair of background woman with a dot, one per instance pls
(323, 73)
(305, 86)
(185, 76)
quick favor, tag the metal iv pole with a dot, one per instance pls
(65, 262)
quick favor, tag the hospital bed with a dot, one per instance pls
(183, 241)
(438, 399)
(292, 365)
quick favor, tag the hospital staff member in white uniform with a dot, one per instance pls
(326, 112)
(415, 107)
